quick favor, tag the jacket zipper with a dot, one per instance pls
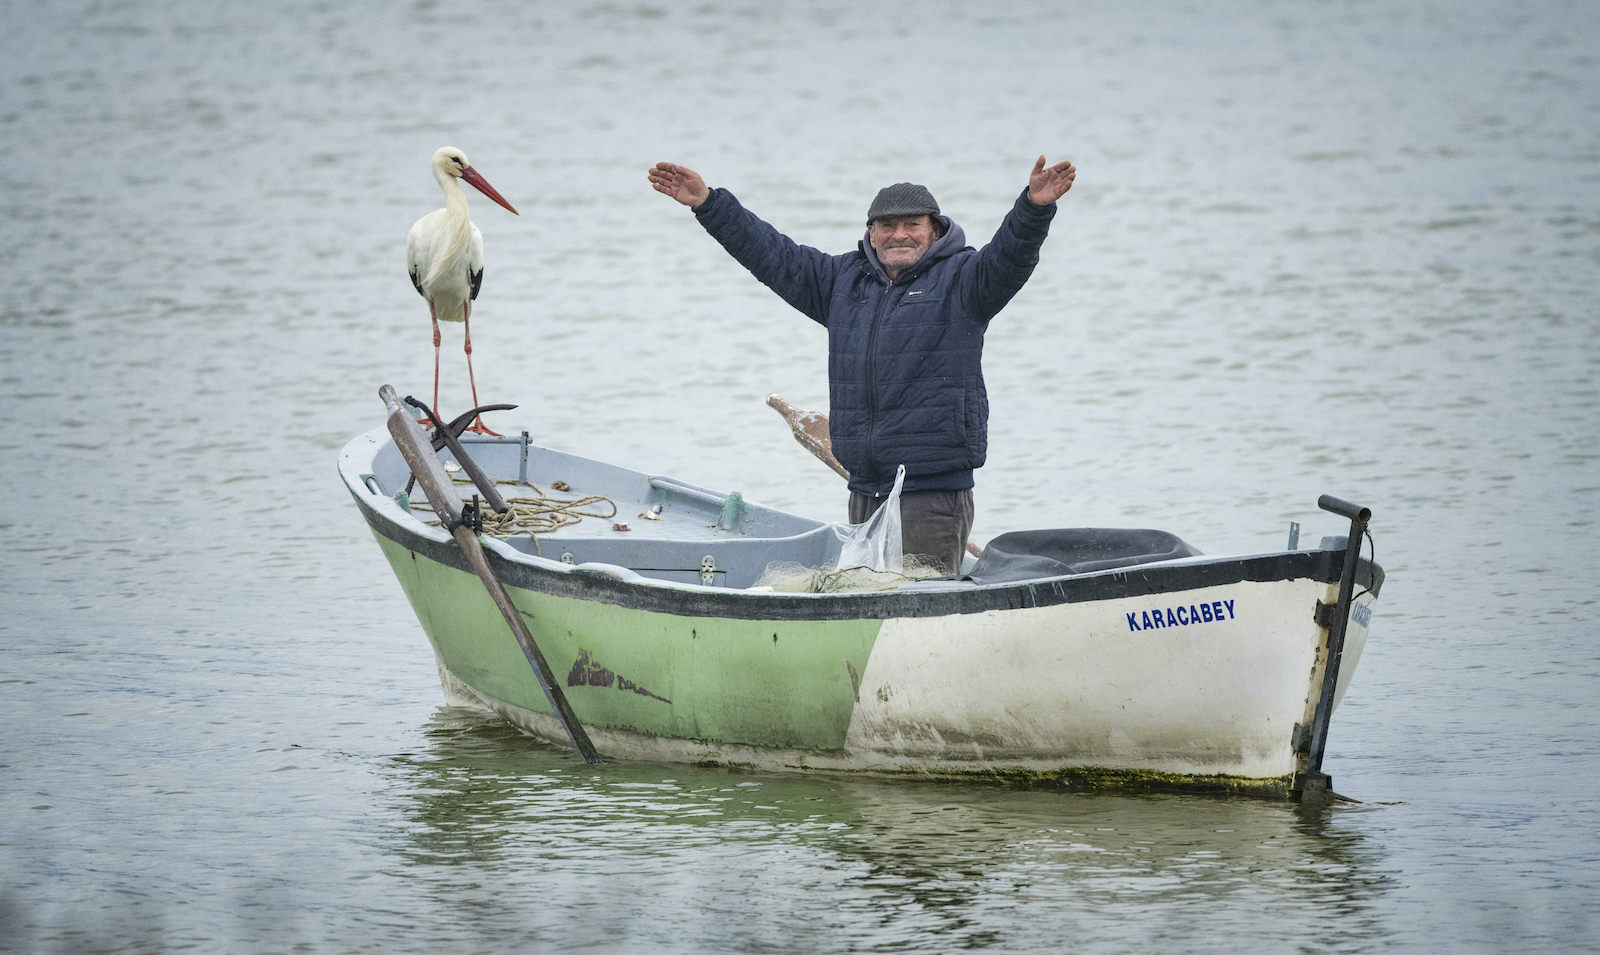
(872, 389)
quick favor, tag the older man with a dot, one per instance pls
(905, 313)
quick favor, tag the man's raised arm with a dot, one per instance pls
(1045, 185)
(801, 275)
(681, 183)
(1005, 263)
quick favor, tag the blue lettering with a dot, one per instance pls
(1212, 612)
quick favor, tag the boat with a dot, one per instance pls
(1071, 658)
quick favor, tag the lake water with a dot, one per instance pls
(1347, 248)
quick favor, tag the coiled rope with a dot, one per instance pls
(536, 515)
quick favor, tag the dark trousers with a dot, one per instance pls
(933, 524)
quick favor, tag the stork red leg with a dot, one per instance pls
(477, 423)
(435, 316)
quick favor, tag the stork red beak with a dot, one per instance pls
(482, 185)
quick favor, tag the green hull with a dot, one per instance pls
(774, 684)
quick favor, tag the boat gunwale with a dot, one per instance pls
(542, 575)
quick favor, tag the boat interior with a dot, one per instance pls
(687, 534)
(676, 531)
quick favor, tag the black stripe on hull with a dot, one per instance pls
(1323, 566)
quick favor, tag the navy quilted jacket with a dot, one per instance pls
(905, 376)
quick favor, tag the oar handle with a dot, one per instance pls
(811, 430)
(424, 464)
(1345, 509)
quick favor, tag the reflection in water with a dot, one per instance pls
(883, 862)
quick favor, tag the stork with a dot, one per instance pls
(444, 254)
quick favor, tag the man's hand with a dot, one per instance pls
(682, 183)
(1044, 185)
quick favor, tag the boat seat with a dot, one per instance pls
(1032, 555)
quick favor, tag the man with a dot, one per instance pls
(905, 313)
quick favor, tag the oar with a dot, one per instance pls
(415, 448)
(811, 430)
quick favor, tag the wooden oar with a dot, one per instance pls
(811, 430)
(415, 448)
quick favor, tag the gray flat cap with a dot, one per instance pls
(902, 199)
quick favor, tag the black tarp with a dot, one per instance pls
(1031, 555)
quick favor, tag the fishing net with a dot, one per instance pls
(870, 558)
(787, 577)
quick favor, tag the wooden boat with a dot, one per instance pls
(1071, 657)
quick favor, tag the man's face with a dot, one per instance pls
(900, 241)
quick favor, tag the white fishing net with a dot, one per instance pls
(870, 558)
(787, 577)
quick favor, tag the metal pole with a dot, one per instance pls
(1314, 779)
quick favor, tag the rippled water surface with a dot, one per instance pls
(1347, 248)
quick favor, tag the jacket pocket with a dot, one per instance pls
(975, 416)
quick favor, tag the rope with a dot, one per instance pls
(1368, 535)
(536, 515)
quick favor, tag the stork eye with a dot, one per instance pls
(456, 160)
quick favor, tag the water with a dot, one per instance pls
(1338, 248)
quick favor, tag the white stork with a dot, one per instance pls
(444, 254)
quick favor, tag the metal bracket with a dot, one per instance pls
(471, 517)
(1314, 784)
(1323, 615)
(708, 570)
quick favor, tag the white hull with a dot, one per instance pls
(1040, 690)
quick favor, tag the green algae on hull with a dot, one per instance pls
(1078, 779)
(1101, 779)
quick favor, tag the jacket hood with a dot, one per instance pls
(953, 241)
